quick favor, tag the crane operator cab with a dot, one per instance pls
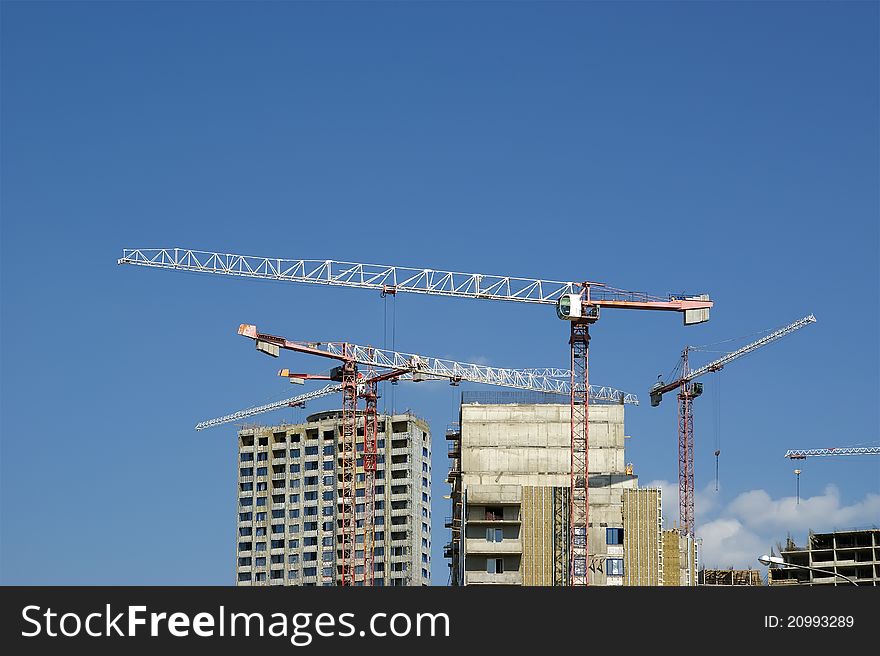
(570, 307)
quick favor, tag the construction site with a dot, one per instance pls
(542, 492)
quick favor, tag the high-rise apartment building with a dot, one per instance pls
(289, 524)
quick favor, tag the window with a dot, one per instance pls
(293, 528)
(328, 465)
(614, 536)
(261, 530)
(260, 576)
(261, 471)
(244, 576)
(246, 501)
(310, 526)
(294, 498)
(244, 546)
(293, 574)
(294, 468)
(278, 528)
(260, 561)
(244, 561)
(310, 556)
(246, 487)
(614, 566)
(261, 546)
(328, 480)
(311, 480)
(327, 571)
(311, 450)
(263, 456)
(294, 453)
(245, 517)
(494, 535)
(311, 464)
(246, 457)
(310, 510)
(277, 514)
(328, 449)
(277, 544)
(328, 526)
(494, 565)
(245, 531)
(261, 501)
(262, 486)
(292, 544)
(246, 471)
(261, 517)
(310, 571)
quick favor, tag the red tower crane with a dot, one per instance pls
(577, 302)
(687, 392)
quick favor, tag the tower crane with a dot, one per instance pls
(416, 367)
(803, 454)
(606, 394)
(688, 390)
(578, 303)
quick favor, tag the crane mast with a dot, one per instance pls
(688, 391)
(575, 302)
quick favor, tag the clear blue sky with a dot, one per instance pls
(730, 148)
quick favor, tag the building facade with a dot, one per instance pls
(642, 544)
(510, 477)
(288, 527)
(681, 558)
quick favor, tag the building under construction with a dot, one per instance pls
(289, 526)
(730, 577)
(510, 477)
(842, 555)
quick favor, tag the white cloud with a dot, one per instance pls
(736, 534)
(705, 501)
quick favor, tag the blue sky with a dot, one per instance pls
(730, 148)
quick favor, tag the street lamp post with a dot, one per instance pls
(776, 560)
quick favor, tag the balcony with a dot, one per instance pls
(506, 578)
(492, 518)
(481, 546)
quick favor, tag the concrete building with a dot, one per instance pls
(853, 554)
(287, 531)
(510, 477)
